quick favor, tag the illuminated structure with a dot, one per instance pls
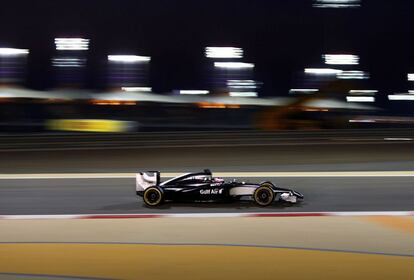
(129, 72)
(12, 65)
(70, 61)
(232, 77)
(337, 4)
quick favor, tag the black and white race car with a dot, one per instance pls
(202, 186)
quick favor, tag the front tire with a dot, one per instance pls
(153, 196)
(264, 195)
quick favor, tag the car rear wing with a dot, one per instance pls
(147, 179)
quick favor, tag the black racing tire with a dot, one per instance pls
(153, 196)
(264, 195)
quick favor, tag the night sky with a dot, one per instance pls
(280, 37)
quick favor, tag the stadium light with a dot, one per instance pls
(128, 58)
(363, 91)
(401, 97)
(243, 94)
(322, 71)
(136, 89)
(234, 65)
(240, 84)
(72, 44)
(194, 92)
(68, 62)
(410, 77)
(352, 75)
(13, 52)
(224, 52)
(303, 90)
(341, 59)
(360, 99)
(337, 3)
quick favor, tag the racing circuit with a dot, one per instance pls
(369, 181)
(336, 170)
(108, 196)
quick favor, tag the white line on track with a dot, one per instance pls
(398, 139)
(218, 174)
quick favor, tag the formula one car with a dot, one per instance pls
(202, 186)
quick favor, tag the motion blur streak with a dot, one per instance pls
(13, 52)
(224, 52)
(72, 44)
(341, 59)
(322, 71)
(194, 92)
(89, 125)
(360, 99)
(233, 65)
(128, 58)
(338, 4)
(401, 97)
(353, 74)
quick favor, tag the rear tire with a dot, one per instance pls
(153, 196)
(264, 195)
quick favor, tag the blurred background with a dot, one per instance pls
(235, 65)
(312, 95)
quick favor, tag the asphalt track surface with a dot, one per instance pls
(151, 140)
(375, 150)
(347, 150)
(302, 156)
(111, 196)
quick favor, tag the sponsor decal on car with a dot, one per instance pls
(211, 191)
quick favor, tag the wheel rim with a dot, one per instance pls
(153, 197)
(263, 196)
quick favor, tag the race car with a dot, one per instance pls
(203, 187)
